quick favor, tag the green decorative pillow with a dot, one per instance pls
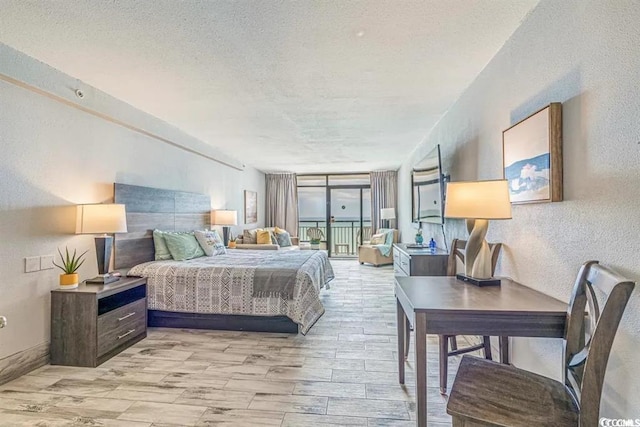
(183, 246)
(161, 249)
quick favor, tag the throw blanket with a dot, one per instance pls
(241, 282)
(385, 249)
(277, 279)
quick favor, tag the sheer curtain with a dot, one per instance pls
(384, 194)
(282, 201)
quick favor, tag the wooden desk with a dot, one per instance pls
(446, 306)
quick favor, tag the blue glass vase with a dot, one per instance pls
(419, 239)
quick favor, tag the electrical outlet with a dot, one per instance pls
(31, 264)
(46, 262)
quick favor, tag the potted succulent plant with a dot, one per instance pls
(69, 265)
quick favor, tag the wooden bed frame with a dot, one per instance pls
(169, 210)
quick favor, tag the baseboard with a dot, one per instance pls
(23, 362)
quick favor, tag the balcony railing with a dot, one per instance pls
(345, 234)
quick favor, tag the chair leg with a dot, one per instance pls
(487, 347)
(504, 350)
(453, 343)
(443, 340)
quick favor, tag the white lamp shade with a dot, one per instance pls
(478, 200)
(224, 217)
(102, 218)
(387, 213)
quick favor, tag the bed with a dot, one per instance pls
(270, 291)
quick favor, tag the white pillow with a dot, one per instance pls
(210, 242)
(378, 239)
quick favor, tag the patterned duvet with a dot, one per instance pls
(226, 284)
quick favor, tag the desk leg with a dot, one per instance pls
(407, 338)
(504, 350)
(420, 328)
(402, 324)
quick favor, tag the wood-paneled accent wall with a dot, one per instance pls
(154, 208)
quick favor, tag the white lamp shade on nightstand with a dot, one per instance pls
(101, 219)
(224, 217)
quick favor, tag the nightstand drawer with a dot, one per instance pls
(111, 339)
(120, 325)
(126, 314)
(403, 264)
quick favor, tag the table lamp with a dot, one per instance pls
(225, 218)
(478, 202)
(387, 214)
(102, 219)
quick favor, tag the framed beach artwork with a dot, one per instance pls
(250, 207)
(532, 157)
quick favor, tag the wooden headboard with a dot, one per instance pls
(151, 208)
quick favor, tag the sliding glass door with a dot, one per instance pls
(349, 220)
(312, 212)
(338, 209)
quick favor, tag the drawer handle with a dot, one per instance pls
(128, 333)
(120, 319)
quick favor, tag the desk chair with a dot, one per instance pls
(457, 248)
(486, 393)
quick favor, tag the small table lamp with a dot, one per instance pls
(225, 218)
(102, 219)
(478, 202)
(387, 214)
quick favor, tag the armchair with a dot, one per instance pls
(372, 255)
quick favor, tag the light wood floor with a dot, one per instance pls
(342, 373)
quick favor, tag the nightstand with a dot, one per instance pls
(419, 262)
(93, 323)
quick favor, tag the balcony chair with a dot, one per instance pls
(315, 233)
(446, 341)
(486, 393)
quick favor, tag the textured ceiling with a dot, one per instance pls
(305, 86)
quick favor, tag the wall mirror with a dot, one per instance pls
(427, 189)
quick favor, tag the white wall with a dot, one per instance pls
(584, 54)
(54, 156)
